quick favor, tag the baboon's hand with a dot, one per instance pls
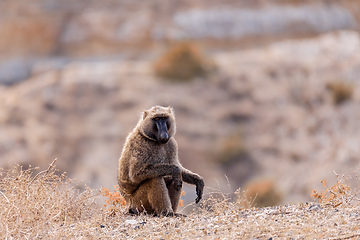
(199, 190)
(199, 195)
(177, 184)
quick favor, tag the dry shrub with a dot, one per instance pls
(260, 193)
(32, 206)
(232, 148)
(181, 202)
(182, 62)
(338, 194)
(114, 201)
(341, 91)
(216, 203)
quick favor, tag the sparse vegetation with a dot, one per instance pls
(36, 206)
(48, 206)
(181, 202)
(341, 91)
(338, 194)
(114, 201)
(182, 62)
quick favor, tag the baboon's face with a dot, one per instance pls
(161, 126)
(158, 124)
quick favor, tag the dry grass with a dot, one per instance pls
(114, 200)
(48, 206)
(40, 205)
(338, 194)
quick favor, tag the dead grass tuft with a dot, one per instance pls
(31, 206)
(340, 194)
(114, 202)
(182, 62)
(216, 204)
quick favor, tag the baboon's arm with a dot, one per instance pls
(195, 179)
(139, 174)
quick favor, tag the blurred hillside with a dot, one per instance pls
(268, 112)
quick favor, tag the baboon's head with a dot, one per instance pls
(158, 124)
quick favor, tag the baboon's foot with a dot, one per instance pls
(133, 211)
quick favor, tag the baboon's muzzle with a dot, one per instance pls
(163, 135)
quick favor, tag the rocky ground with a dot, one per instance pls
(48, 206)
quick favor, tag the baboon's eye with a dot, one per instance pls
(156, 119)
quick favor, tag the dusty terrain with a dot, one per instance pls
(47, 206)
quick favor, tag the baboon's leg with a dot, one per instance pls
(173, 194)
(151, 197)
(159, 197)
(138, 202)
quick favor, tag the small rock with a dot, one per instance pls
(131, 222)
(315, 207)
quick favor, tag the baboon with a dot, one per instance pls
(150, 175)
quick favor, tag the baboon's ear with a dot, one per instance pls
(145, 114)
(170, 109)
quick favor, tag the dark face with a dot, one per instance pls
(161, 127)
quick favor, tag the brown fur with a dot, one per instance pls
(150, 174)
